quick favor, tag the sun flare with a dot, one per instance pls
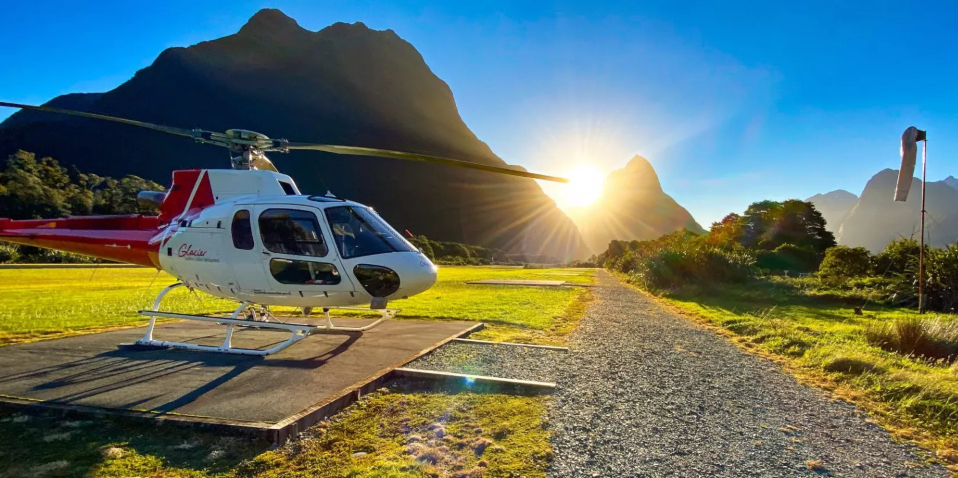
(585, 186)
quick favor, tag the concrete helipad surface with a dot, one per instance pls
(284, 392)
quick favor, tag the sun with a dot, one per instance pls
(585, 186)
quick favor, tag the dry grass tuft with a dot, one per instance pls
(929, 338)
(112, 452)
(57, 437)
(51, 466)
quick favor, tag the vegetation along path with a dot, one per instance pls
(649, 393)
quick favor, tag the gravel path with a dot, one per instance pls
(504, 361)
(647, 393)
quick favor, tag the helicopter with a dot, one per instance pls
(249, 235)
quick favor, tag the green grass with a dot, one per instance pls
(820, 338)
(46, 303)
(57, 446)
(485, 434)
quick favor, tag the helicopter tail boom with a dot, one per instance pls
(125, 239)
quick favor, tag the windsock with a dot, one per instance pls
(909, 154)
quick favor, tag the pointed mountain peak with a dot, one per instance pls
(638, 162)
(269, 20)
(640, 173)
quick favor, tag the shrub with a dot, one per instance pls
(843, 262)
(788, 257)
(36, 255)
(679, 259)
(9, 253)
(899, 256)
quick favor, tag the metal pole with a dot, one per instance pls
(921, 251)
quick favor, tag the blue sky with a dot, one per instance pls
(732, 103)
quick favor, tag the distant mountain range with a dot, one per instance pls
(834, 206)
(345, 84)
(875, 219)
(632, 206)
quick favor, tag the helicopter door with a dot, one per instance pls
(245, 257)
(297, 256)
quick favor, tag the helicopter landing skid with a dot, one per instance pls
(298, 331)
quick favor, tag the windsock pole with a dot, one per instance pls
(921, 247)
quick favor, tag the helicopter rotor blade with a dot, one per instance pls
(231, 141)
(425, 158)
(166, 129)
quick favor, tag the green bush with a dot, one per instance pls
(843, 262)
(678, 259)
(899, 256)
(9, 253)
(37, 255)
(788, 257)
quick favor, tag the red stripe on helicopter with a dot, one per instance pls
(118, 238)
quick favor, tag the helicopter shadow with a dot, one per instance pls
(118, 372)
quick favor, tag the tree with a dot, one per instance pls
(843, 262)
(36, 189)
(767, 225)
(726, 233)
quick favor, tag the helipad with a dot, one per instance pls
(274, 397)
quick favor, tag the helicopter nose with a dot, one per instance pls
(421, 275)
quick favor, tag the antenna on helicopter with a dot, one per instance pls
(251, 147)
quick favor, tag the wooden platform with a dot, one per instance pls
(273, 397)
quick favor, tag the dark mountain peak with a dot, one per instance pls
(343, 27)
(345, 84)
(269, 20)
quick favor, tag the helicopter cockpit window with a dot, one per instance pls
(358, 232)
(291, 231)
(242, 230)
(287, 271)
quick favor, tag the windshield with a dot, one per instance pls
(358, 231)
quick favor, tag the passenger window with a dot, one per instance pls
(291, 231)
(242, 230)
(288, 271)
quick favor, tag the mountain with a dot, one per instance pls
(876, 219)
(632, 206)
(951, 181)
(833, 206)
(345, 84)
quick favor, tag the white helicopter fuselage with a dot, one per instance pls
(264, 243)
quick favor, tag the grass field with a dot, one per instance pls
(46, 303)
(398, 432)
(403, 431)
(821, 340)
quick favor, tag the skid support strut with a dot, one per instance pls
(297, 331)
